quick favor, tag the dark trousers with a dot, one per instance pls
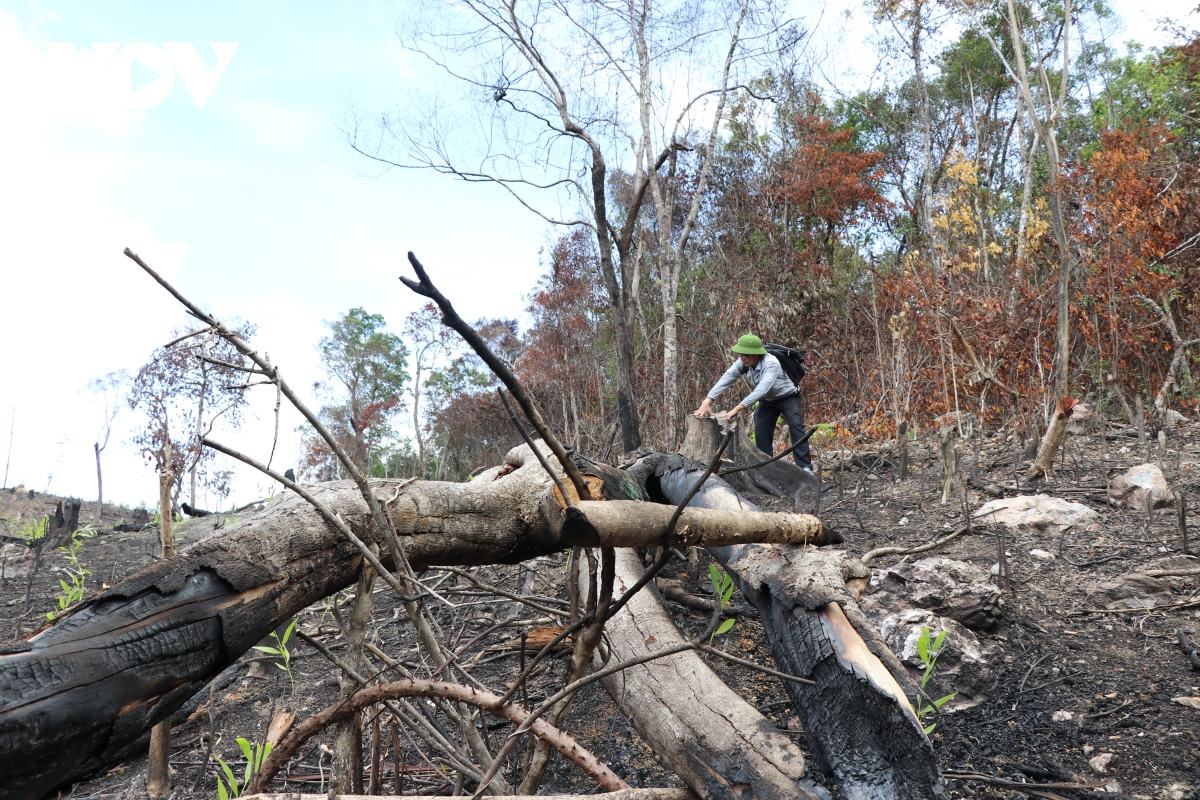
(766, 415)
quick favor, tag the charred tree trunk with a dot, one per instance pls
(858, 718)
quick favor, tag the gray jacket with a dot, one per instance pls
(767, 381)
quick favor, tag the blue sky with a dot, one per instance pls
(254, 204)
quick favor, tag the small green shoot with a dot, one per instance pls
(722, 585)
(35, 531)
(72, 592)
(281, 651)
(928, 653)
(255, 755)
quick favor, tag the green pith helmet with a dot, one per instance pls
(749, 345)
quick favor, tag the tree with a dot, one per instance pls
(1044, 124)
(185, 388)
(584, 103)
(109, 394)
(430, 343)
(369, 367)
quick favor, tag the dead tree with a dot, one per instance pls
(78, 694)
(808, 602)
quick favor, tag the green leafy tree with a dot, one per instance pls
(368, 369)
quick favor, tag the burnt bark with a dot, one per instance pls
(858, 719)
(780, 478)
(79, 694)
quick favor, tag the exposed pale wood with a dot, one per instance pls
(708, 735)
(630, 523)
(859, 723)
(1043, 465)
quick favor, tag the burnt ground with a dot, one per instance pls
(1058, 648)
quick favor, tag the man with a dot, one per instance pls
(772, 389)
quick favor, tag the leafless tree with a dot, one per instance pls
(579, 107)
(109, 393)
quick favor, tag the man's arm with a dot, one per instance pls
(770, 372)
(724, 383)
(728, 379)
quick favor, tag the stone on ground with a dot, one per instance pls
(955, 589)
(1142, 487)
(963, 666)
(1038, 514)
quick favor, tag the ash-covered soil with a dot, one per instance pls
(1060, 647)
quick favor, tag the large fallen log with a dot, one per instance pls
(807, 599)
(719, 744)
(77, 695)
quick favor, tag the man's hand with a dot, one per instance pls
(733, 412)
(705, 408)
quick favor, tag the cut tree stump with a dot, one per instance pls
(1043, 465)
(780, 478)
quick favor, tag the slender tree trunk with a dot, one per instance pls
(158, 775)
(347, 744)
(199, 421)
(934, 252)
(416, 417)
(99, 485)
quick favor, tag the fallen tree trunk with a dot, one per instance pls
(709, 736)
(807, 599)
(77, 695)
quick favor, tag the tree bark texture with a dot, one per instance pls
(807, 599)
(709, 736)
(1043, 465)
(347, 743)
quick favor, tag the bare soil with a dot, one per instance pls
(1059, 648)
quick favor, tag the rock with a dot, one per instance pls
(1134, 591)
(1190, 702)
(1100, 762)
(1142, 487)
(1082, 420)
(1063, 716)
(994, 489)
(1041, 555)
(1173, 419)
(1038, 514)
(949, 588)
(16, 561)
(963, 666)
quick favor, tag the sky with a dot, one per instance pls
(205, 137)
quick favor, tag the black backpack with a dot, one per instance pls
(791, 360)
